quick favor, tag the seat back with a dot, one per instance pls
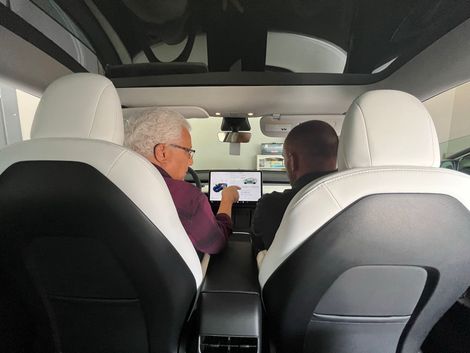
(91, 241)
(368, 259)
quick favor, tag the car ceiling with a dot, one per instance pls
(439, 67)
(371, 32)
(442, 65)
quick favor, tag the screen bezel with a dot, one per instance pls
(235, 171)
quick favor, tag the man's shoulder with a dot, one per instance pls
(182, 187)
(276, 195)
(274, 200)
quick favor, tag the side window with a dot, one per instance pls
(27, 105)
(464, 165)
(448, 165)
(449, 111)
(17, 110)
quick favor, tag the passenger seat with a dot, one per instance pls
(368, 259)
(90, 237)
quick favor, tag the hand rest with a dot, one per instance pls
(230, 304)
(233, 270)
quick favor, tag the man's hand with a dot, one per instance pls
(230, 194)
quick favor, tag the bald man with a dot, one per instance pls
(310, 151)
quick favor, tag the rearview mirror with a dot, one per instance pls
(234, 137)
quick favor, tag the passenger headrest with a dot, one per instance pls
(80, 106)
(387, 128)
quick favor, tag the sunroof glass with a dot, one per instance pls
(297, 36)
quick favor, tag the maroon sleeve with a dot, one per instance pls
(208, 233)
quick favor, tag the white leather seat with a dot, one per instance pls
(79, 122)
(388, 158)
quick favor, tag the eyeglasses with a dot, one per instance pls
(189, 151)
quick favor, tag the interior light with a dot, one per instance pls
(218, 114)
(250, 114)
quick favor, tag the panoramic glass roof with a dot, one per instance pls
(290, 36)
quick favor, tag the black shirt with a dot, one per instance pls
(271, 207)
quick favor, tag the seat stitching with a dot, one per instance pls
(332, 196)
(345, 158)
(432, 140)
(114, 162)
(96, 108)
(367, 135)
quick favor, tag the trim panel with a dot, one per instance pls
(23, 29)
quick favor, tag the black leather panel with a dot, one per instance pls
(233, 270)
(335, 337)
(118, 326)
(230, 314)
(377, 291)
(88, 261)
(425, 230)
(230, 303)
(59, 259)
(16, 327)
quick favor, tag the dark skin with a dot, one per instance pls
(297, 165)
(299, 159)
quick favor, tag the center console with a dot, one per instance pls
(230, 304)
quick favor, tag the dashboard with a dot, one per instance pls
(271, 181)
(242, 212)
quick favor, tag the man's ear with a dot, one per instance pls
(160, 153)
(294, 163)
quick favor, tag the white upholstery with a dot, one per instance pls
(260, 257)
(387, 128)
(133, 174)
(205, 264)
(317, 203)
(389, 140)
(82, 106)
(79, 119)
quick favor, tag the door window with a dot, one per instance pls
(464, 164)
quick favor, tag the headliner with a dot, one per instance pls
(370, 32)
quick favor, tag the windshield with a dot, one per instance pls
(212, 154)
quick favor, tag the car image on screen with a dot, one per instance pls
(219, 187)
(249, 181)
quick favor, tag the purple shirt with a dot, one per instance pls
(207, 232)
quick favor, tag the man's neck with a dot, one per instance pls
(161, 169)
(310, 175)
(320, 167)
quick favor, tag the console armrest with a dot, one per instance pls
(230, 305)
(233, 270)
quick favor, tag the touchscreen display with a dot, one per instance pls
(250, 183)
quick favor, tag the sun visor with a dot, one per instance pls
(281, 125)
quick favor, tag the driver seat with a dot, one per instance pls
(90, 238)
(368, 259)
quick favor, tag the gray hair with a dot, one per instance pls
(152, 127)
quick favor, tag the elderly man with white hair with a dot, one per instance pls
(162, 136)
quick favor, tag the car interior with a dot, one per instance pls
(373, 258)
